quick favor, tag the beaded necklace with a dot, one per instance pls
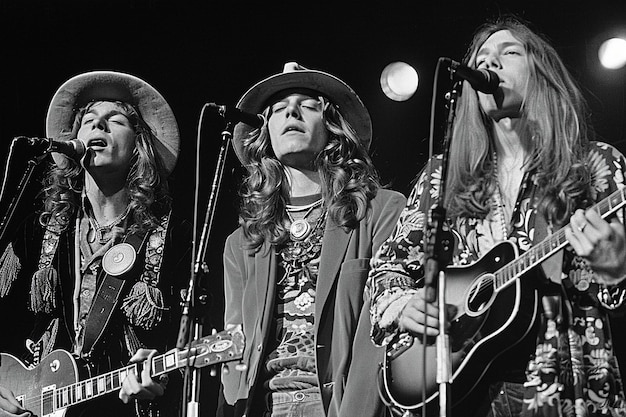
(499, 210)
(498, 203)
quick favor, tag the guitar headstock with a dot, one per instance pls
(224, 346)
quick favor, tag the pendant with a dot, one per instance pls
(91, 235)
(299, 229)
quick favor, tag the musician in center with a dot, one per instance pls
(524, 168)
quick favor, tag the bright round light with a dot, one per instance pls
(612, 53)
(399, 81)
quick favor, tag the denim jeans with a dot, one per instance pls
(506, 399)
(297, 405)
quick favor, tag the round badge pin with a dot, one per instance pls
(119, 259)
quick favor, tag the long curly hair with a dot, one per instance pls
(349, 181)
(554, 116)
(146, 181)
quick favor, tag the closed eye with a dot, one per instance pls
(312, 105)
(279, 107)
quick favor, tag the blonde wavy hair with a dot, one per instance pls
(349, 181)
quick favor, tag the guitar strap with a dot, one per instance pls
(553, 296)
(108, 294)
(553, 266)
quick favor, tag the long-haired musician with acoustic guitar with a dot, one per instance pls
(539, 257)
(107, 255)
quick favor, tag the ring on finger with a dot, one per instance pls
(582, 227)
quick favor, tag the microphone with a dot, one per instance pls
(482, 80)
(236, 115)
(75, 148)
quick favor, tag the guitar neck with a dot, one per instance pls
(551, 244)
(112, 381)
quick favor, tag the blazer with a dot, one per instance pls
(347, 361)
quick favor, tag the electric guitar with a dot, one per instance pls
(55, 384)
(495, 311)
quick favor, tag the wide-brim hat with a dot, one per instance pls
(115, 86)
(294, 76)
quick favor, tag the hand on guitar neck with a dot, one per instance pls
(142, 386)
(419, 317)
(601, 242)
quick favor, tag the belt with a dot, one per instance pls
(295, 397)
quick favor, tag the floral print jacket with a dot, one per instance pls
(574, 371)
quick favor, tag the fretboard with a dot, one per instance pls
(106, 383)
(551, 244)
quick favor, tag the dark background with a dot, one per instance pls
(199, 52)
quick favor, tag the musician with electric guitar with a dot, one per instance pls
(104, 260)
(535, 207)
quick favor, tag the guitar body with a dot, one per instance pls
(32, 386)
(486, 324)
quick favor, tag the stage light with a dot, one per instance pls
(612, 53)
(399, 81)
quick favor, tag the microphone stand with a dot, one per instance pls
(21, 187)
(195, 296)
(438, 256)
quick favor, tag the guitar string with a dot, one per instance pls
(486, 285)
(70, 388)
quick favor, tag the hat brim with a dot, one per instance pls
(255, 100)
(116, 86)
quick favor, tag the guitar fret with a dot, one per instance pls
(171, 360)
(158, 366)
(89, 388)
(616, 199)
(100, 386)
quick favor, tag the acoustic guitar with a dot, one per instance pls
(496, 310)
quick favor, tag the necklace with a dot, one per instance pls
(301, 228)
(297, 256)
(103, 232)
(498, 201)
(499, 210)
